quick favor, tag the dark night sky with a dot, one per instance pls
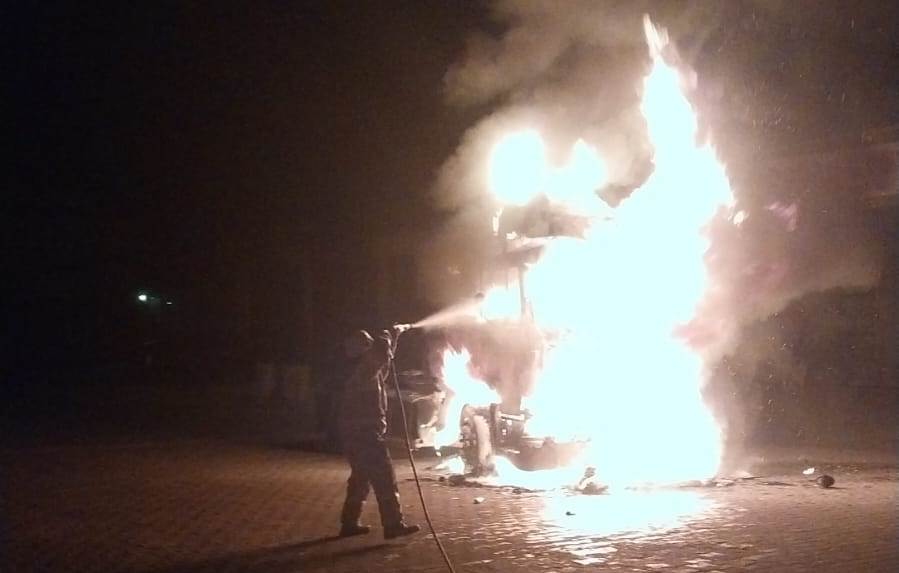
(197, 149)
(181, 131)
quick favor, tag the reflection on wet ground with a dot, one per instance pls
(572, 522)
(635, 514)
(577, 528)
(630, 512)
(724, 524)
(585, 528)
(554, 528)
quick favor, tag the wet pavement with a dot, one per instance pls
(207, 505)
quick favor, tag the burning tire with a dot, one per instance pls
(488, 432)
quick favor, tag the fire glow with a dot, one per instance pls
(463, 389)
(614, 370)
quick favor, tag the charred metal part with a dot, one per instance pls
(825, 481)
(477, 442)
(457, 479)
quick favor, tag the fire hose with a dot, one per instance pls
(400, 328)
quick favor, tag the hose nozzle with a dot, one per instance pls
(400, 328)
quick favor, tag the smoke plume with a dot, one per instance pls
(576, 73)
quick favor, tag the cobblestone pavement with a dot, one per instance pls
(214, 506)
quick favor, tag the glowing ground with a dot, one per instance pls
(207, 505)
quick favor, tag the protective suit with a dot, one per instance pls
(363, 427)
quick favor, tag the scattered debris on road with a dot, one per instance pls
(825, 481)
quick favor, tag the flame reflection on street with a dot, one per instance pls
(573, 522)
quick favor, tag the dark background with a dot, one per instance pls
(233, 159)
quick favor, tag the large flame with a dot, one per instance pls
(617, 372)
(518, 167)
(462, 389)
(518, 172)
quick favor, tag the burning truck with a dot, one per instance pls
(495, 351)
(579, 349)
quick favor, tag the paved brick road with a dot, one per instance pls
(214, 506)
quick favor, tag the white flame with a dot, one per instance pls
(463, 389)
(621, 375)
(517, 168)
(518, 172)
(575, 183)
(500, 303)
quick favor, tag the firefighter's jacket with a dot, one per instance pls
(363, 407)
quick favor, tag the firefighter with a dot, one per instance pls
(363, 425)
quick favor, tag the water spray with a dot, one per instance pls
(454, 313)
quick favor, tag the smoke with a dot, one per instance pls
(570, 74)
(576, 73)
(808, 228)
(543, 45)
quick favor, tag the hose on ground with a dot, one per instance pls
(421, 497)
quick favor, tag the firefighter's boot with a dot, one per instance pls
(351, 529)
(399, 530)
